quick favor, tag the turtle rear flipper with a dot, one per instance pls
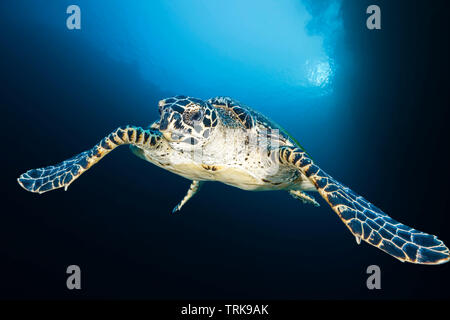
(305, 198)
(193, 189)
(366, 221)
(63, 174)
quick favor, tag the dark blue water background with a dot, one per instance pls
(370, 106)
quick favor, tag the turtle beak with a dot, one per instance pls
(161, 104)
(155, 125)
(172, 137)
(167, 135)
(164, 126)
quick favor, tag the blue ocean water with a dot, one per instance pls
(353, 98)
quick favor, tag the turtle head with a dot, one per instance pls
(186, 120)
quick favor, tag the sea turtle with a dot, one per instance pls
(224, 140)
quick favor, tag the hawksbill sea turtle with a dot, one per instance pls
(223, 140)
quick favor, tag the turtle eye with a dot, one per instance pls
(191, 141)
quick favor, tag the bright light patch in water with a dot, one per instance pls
(319, 73)
(279, 49)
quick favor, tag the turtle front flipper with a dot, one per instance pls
(366, 221)
(193, 189)
(64, 173)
